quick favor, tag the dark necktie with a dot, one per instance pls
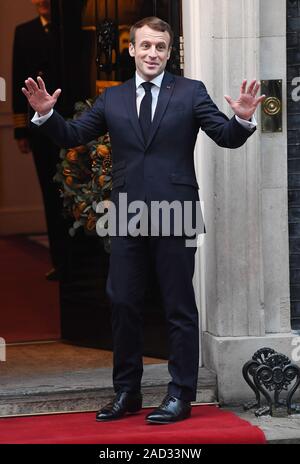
(47, 27)
(146, 110)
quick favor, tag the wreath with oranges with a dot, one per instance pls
(85, 178)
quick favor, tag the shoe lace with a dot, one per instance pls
(167, 400)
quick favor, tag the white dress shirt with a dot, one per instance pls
(140, 93)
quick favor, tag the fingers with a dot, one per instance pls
(260, 100)
(243, 86)
(256, 89)
(28, 86)
(41, 83)
(251, 87)
(32, 85)
(56, 94)
(229, 99)
(26, 93)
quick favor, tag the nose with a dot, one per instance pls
(153, 52)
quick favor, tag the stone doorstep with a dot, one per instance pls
(278, 430)
(88, 390)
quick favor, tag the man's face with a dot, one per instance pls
(151, 52)
(43, 7)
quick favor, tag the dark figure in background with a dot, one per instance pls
(36, 52)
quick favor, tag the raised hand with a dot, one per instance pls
(245, 106)
(38, 97)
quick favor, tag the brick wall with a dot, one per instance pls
(293, 125)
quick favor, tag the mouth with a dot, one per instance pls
(151, 65)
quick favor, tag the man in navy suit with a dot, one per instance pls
(153, 121)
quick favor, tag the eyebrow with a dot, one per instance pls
(148, 41)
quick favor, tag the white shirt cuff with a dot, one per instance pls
(39, 120)
(247, 124)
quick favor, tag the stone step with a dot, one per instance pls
(277, 430)
(88, 390)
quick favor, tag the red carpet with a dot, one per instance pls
(208, 425)
(29, 303)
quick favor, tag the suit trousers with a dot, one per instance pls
(126, 288)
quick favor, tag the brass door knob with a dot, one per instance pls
(272, 106)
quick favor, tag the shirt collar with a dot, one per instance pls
(156, 81)
(43, 21)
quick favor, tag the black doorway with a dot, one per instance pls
(85, 311)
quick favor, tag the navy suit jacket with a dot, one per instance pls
(162, 168)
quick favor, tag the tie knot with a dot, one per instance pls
(147, 86)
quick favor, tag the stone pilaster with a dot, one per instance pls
(243, 263)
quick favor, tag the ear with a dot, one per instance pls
(169, 53)
(131, 50)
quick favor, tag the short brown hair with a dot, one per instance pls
(154, 23)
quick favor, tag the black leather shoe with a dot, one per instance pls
(124, 402)
(171, 410)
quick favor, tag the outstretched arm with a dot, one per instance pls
(228, 133)
(88, 126)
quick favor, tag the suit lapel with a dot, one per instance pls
(166, 91)
(130, 102)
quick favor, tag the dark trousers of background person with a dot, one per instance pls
(46, 158)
